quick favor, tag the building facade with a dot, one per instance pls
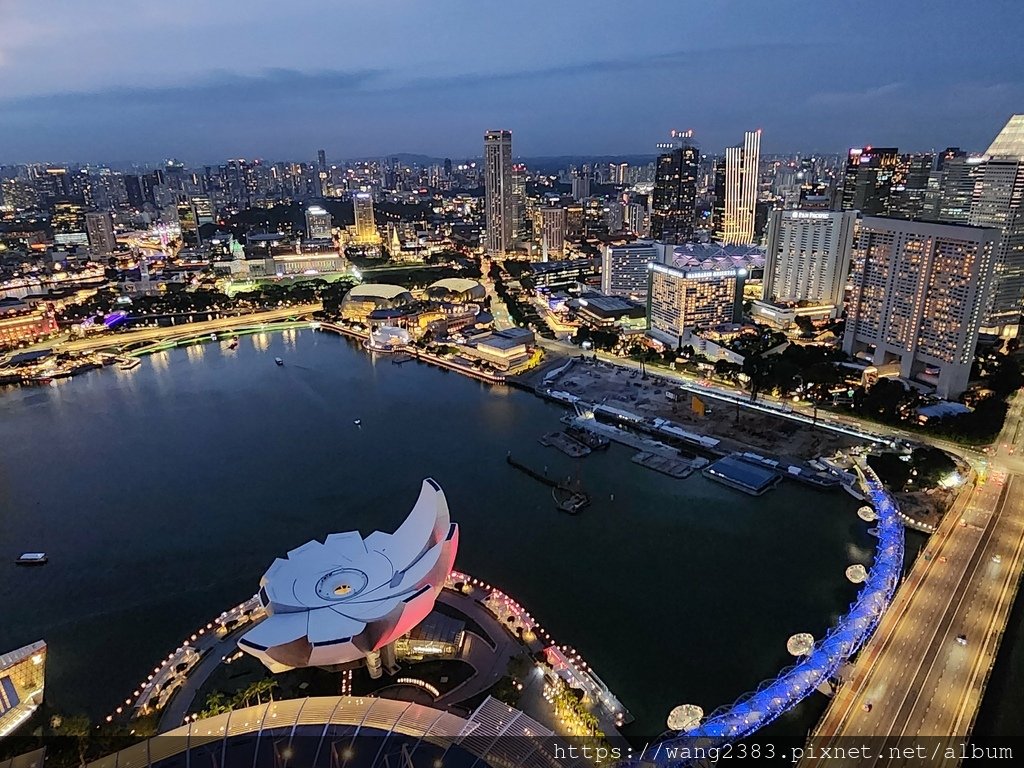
(998, 201)
(99, 227)
(674, 205)
(681, 300)
(624, 269)
(552, 233)
(808, 256)
(867, 184)
(738, 188)
(918, 296)
(318, 223)
(498, 197)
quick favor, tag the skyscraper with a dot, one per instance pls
(684, 299)
(519, 223)
(674, 211)
(366, 228)
(808, 256)
(998, 202)
(918, 297)
(867, 185)
(498, 204)
(323, 183)
(99, 227)
(910, 185)
(739, 190)
(624, 269)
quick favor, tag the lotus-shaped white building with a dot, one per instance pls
(347, 598)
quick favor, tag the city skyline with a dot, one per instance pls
(214, 93)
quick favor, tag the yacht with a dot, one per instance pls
(32, 558)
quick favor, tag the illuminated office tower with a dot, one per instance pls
(68, 222)
(498, 205)
(918, 296)
(910, 185)
(318, 223)
(674, 206)
(679, 300)
(618, 173)
(99, 228)
(867, 185)
(998, 202)
(739, 186)
(366, 229)
(552, 233)
(808, 256)
(636, 219)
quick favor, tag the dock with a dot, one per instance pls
(677, 468)
(742, 475)
(566, 444)
(619, 435)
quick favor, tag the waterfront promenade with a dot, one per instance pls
(915, 678)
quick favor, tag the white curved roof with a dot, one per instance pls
(377, 291)
(333, 602)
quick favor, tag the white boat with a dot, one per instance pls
(32, 558)
(279, 361)
(129, 364)
(358, 422)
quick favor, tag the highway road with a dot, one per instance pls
(918, 678)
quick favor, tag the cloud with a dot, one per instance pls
(858, 97)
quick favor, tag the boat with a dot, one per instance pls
(32, 558)
(279, 361)
(233, 344)
(129, 364)
(213, 337)
(358, 422)
(593, 441)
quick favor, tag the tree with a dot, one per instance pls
(80, 728)
(805, 324)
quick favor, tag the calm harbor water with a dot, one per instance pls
(162, 494)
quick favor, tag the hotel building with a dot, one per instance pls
(738, 191)
(808, 256)
(624, 269)
(680, 300)
(498, 197)
(919, 291)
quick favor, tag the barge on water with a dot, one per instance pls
(742, 475)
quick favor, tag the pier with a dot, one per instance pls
(677, 468)
(565, 444)
(567, 498)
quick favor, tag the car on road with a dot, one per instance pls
(942, 558)
(963, 522)
(997, 558)
(962, 639)
(867, 706)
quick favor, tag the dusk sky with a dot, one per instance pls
(142, 80)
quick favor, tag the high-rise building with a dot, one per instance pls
(519, 221)
(323, 180)
(624, 269)
(918, 298)
(366, 228)
(99, 228)
(581, 183)
(741, 180)
(498, 203)
(808, 256)
(910, 185)
(679, 300)
(68, 222)
(618, 173)
(674, 206)
(867, 184)
(202, 213)
(575, 221)
(552, 233)
(998, 202)
(636, 220)
(318, 223)
(951, 187)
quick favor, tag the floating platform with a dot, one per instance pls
(565, 444)
(742, 475)
(677, 468)
(592, 440)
